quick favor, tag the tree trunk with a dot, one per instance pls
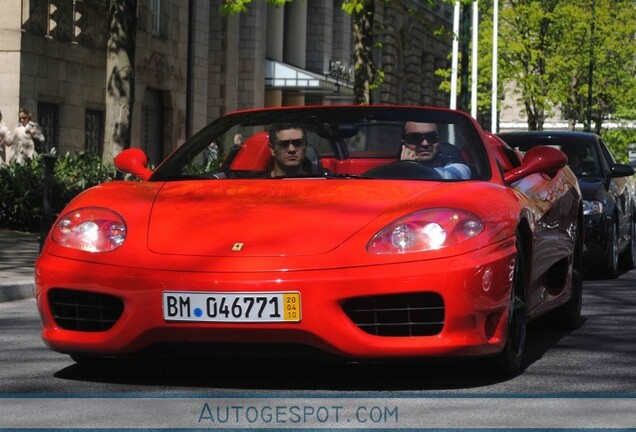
(120, 76)
(530, 115)
(363, 51)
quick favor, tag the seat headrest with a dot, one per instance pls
(254, 155)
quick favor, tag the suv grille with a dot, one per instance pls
(84, 311)
(420, 314)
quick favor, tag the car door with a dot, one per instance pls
(619, 190)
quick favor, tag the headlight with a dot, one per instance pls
(426, 230)
(592, 207)
(91, 229)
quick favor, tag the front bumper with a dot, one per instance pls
(597, 239)
(474, 289)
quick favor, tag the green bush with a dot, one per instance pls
(22, 187)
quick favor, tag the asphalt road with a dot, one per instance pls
(579, 379)
(597, 358)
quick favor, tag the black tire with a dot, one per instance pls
(510, 360)
(568, 316)
(611, 261)
(628, 257)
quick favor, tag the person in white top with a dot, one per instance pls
(27, 135)
(6, 139)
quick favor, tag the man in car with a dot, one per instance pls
(420, 142)
(288, 143)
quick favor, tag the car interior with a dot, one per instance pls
(357, 150)
(340, 143)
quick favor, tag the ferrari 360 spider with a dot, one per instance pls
(359, 233)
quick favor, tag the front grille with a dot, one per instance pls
(84, 311)
(419, 314)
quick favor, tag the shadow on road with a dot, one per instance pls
(277, 374)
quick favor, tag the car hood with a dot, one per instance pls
(270, 217)
(591, 187)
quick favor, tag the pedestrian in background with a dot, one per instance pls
(28, 138)
(238, 141)
(5, 142)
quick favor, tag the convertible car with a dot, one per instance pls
(362, 256)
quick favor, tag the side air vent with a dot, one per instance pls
(419, 314)
(84, 311)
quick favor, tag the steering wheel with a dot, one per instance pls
(404, 170)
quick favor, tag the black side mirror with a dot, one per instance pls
(621, 170)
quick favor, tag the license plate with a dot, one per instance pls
(231, 307)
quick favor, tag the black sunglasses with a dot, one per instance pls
(415, 138)
(297, 142)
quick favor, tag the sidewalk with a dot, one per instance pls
(18, 252)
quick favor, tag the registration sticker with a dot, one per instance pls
(231, 307)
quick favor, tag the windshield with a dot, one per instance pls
(583, 155)
(335, 141)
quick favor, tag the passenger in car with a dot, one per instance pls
(420, 142)
(288, 144)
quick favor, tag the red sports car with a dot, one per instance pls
(361, 233)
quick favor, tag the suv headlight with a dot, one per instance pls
(592, 207)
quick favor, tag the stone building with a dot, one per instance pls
(193, 64)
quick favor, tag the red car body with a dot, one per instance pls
(218, 242)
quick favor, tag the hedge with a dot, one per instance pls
(22, 187)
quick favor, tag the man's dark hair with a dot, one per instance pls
(276, 127)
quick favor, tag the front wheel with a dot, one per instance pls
(628, 257)
(568, 316)
(510, 360)
(611, 261)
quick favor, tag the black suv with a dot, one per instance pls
(608, 196)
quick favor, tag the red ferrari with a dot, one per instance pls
(360, 233)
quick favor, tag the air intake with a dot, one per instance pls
(419, 314)
(84, 311)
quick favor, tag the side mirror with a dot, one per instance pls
(539, 159)
(621, 170)
(133, 161)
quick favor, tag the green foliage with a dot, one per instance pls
(22, 187)
(618, 140)
(233, 7)
(547, 49)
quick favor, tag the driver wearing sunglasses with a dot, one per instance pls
(420, 142)
(288, 143)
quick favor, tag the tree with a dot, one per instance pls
(614, 64)
(120, 76)
(555, 49)
(595, 61)
(530, 43)
(362, 13)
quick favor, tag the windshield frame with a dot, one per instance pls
(325, 120)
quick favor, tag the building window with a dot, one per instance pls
(152, 123)
(49, 120)
(159, 18)
(94, 132)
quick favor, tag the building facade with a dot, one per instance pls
(193, 64)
